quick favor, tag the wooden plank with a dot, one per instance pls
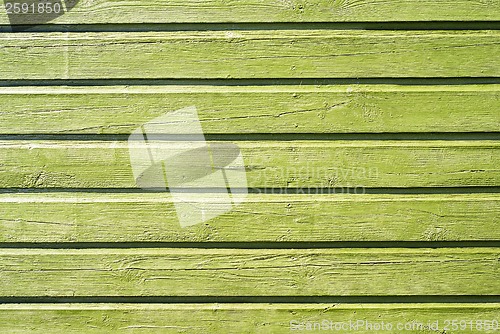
(253, 109)
(249, 272)
(215, 11)
(244, 318)
(250, 54)
(268, 164)
(115, 217)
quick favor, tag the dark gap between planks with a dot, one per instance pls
(254, 245)
(257, 299)
(158, 27)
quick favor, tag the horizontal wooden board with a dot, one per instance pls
(253, 109)
(244, 318)
(146, 217)
(210, 11)
(250, 54)
(249, 272)
(268, 164)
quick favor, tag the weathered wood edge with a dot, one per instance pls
(249, 272)
(254, 109)
(262, 11)
(151, 217)
(263, 54)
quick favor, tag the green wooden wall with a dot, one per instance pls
(370, 134)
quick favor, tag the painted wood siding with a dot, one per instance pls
(370, 136)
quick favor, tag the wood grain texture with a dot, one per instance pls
(257, 47)
(268, 164)
(253, 109)
(250, 54)
(249, 272)
(215, 11)
(151, 217)
(232, 318)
